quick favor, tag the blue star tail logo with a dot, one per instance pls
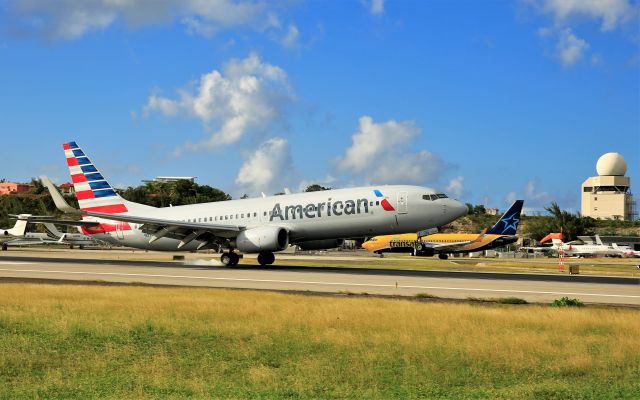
(510, 222)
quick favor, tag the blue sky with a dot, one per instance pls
(487, 101)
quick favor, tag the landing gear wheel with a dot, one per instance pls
(443, 256)
(4, 247)
(266, 258)
(229, 259)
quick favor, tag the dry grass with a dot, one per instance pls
(131, 342)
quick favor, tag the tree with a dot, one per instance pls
(573, 225)
(316, 188)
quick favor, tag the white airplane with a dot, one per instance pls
(315, 220)
(17, 231)
(70, 239)
(583, 250)
(626, 251)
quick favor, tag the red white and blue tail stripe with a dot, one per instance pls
(93, 192)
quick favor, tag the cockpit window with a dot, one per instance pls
(426, 197)
(434, 197)
(441, 196)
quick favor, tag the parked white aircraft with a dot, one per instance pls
(583, 250)
(626, 251)
(315, 220)
(53, 234)
(8, 234)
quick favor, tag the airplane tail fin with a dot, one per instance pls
(553, 237)
(598, 240)
(52, 230)
(93, 191)
(20, 227)
(508, 223)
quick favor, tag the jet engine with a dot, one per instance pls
(6, 233)
(263, 238)
(320, 244)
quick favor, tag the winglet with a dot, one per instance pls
(480, 236)
(59, 201)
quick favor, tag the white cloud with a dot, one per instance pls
(611, 12)
(70, 19)
(290, 39)
(407, 168)
(570, 47)
(266, 170)
(376, 7)
(456, 187)
(565, 13)
(532, 197)
(373, 139)
(248, 95)
(379, 154)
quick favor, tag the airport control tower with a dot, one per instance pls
(608, 195)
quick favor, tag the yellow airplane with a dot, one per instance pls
(500, 234)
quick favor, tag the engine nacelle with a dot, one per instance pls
(321, 244)
(6, 233)
(263, 238)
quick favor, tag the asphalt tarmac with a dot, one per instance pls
(201, 273)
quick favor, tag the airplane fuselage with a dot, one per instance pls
(405, 243)
(331, 214)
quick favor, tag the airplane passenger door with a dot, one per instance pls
(402, 202)
(119, 232)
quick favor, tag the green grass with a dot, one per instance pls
(71, 341)
(567, 302)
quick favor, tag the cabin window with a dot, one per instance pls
(255, 215)
(371, 204)
(377, 203)
(241, 215)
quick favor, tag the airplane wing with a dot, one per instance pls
(453, 246)
(184, 231)
(447, 246)
(156, 227)
(66, 222)
(29, 242)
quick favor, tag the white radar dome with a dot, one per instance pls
(611, 164)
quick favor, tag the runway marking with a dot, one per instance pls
(319, 283)
(15, 263)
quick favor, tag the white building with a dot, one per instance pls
(608, 195)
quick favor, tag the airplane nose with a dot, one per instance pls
(458, 209)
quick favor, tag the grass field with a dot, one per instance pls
(73, 341)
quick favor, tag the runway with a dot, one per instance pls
(456, 285)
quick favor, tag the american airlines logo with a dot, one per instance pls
(328, 208)
(313, 210)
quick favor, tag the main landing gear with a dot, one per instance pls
(230, 259)
(5, 247)
(266, 258)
